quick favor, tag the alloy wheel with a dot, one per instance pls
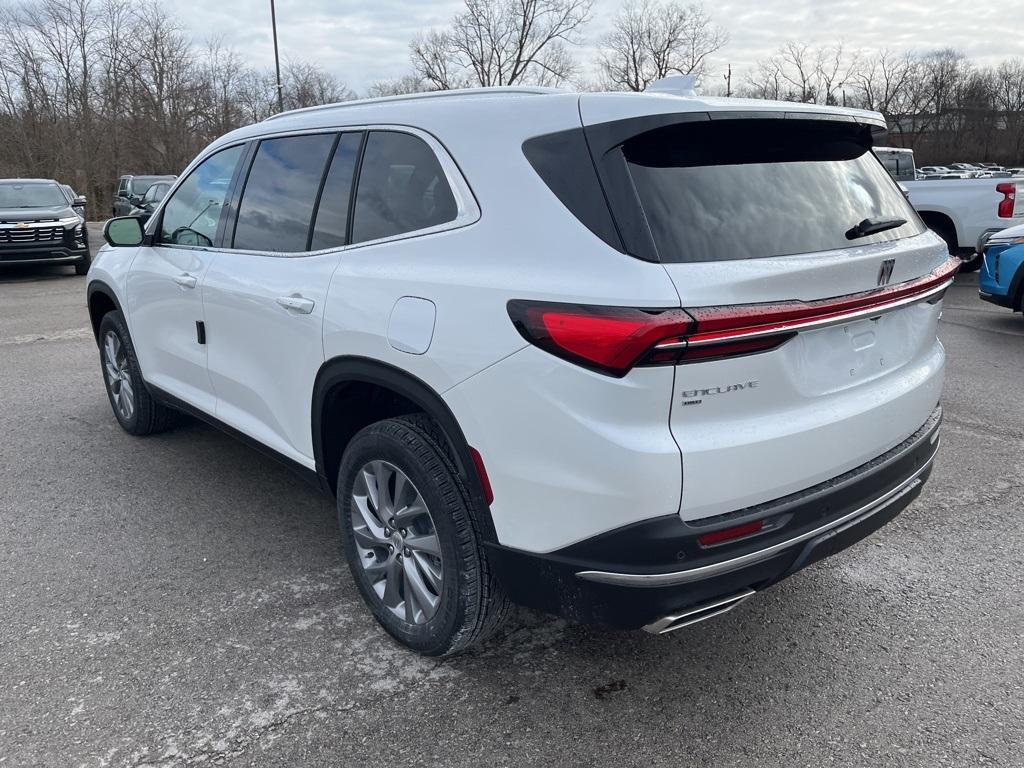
(118, 375)
(396, 541)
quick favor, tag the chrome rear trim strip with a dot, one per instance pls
(674, 578)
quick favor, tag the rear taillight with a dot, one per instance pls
(613, 340)
(607, 339)
(1009, 193)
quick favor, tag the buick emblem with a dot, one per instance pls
(885, 271)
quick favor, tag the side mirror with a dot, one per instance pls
(79, 201)
(123, 232)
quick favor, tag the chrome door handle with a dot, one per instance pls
(185, 280)
(296, 303)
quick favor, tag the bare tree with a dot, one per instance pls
(397, 87)
(502, 42)
(306, 85)
(798, 72)
(651, 39)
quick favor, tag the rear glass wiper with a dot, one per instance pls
(873, 226)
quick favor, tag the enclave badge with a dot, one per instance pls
(695, 396)
(885, 271)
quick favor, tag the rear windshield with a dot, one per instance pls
(743, 189)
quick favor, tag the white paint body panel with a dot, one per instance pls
(162, 318)
(263, 357)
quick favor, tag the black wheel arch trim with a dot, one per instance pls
(350, 369)
(98, 286)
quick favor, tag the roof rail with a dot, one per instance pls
(502, 90)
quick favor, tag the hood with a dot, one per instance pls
(1008, 233)
(37, 214)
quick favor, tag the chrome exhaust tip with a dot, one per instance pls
(697, 613)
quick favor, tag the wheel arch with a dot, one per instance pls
(940, 220)
(351, 379)
(101, 299)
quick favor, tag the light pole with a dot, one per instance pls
(277, 60)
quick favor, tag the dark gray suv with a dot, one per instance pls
(38, 224)
(130, 190)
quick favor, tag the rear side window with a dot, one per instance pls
(277, 203)
(402, 188)
(331, 228)
(743, 189)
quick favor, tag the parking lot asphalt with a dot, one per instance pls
(181, 600)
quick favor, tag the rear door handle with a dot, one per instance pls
(298, 304)
(185, 280)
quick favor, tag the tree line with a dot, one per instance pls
(91, 89)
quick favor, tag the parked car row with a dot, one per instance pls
(43, 220)
(967, 171)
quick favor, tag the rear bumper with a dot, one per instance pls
(638, 575)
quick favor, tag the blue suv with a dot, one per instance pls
(1001, 280)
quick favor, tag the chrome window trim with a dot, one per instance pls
(467, 208)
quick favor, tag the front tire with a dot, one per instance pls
(409, 534)
(134, 408)
(82, 267)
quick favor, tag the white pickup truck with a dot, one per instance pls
(966, 212)
(963, 212)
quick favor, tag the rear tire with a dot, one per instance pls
(970, 262)
(135, 409)
(435, 604)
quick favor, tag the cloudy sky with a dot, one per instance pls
(365, 40)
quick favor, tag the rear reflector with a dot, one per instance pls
(613, 340)
(729, 534)
(481, 471)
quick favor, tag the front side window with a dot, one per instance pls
(402, 188)
(277, 203)
(192, 213)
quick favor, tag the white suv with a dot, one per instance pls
(624, 357)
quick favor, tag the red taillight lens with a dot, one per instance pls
(731, 534)
(608, 339)
(1009, 193)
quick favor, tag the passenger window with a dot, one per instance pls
(331, 226)
(277, 203)
(402, 188)
(192, 213)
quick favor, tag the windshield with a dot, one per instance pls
(743, 189)
(31, 195)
